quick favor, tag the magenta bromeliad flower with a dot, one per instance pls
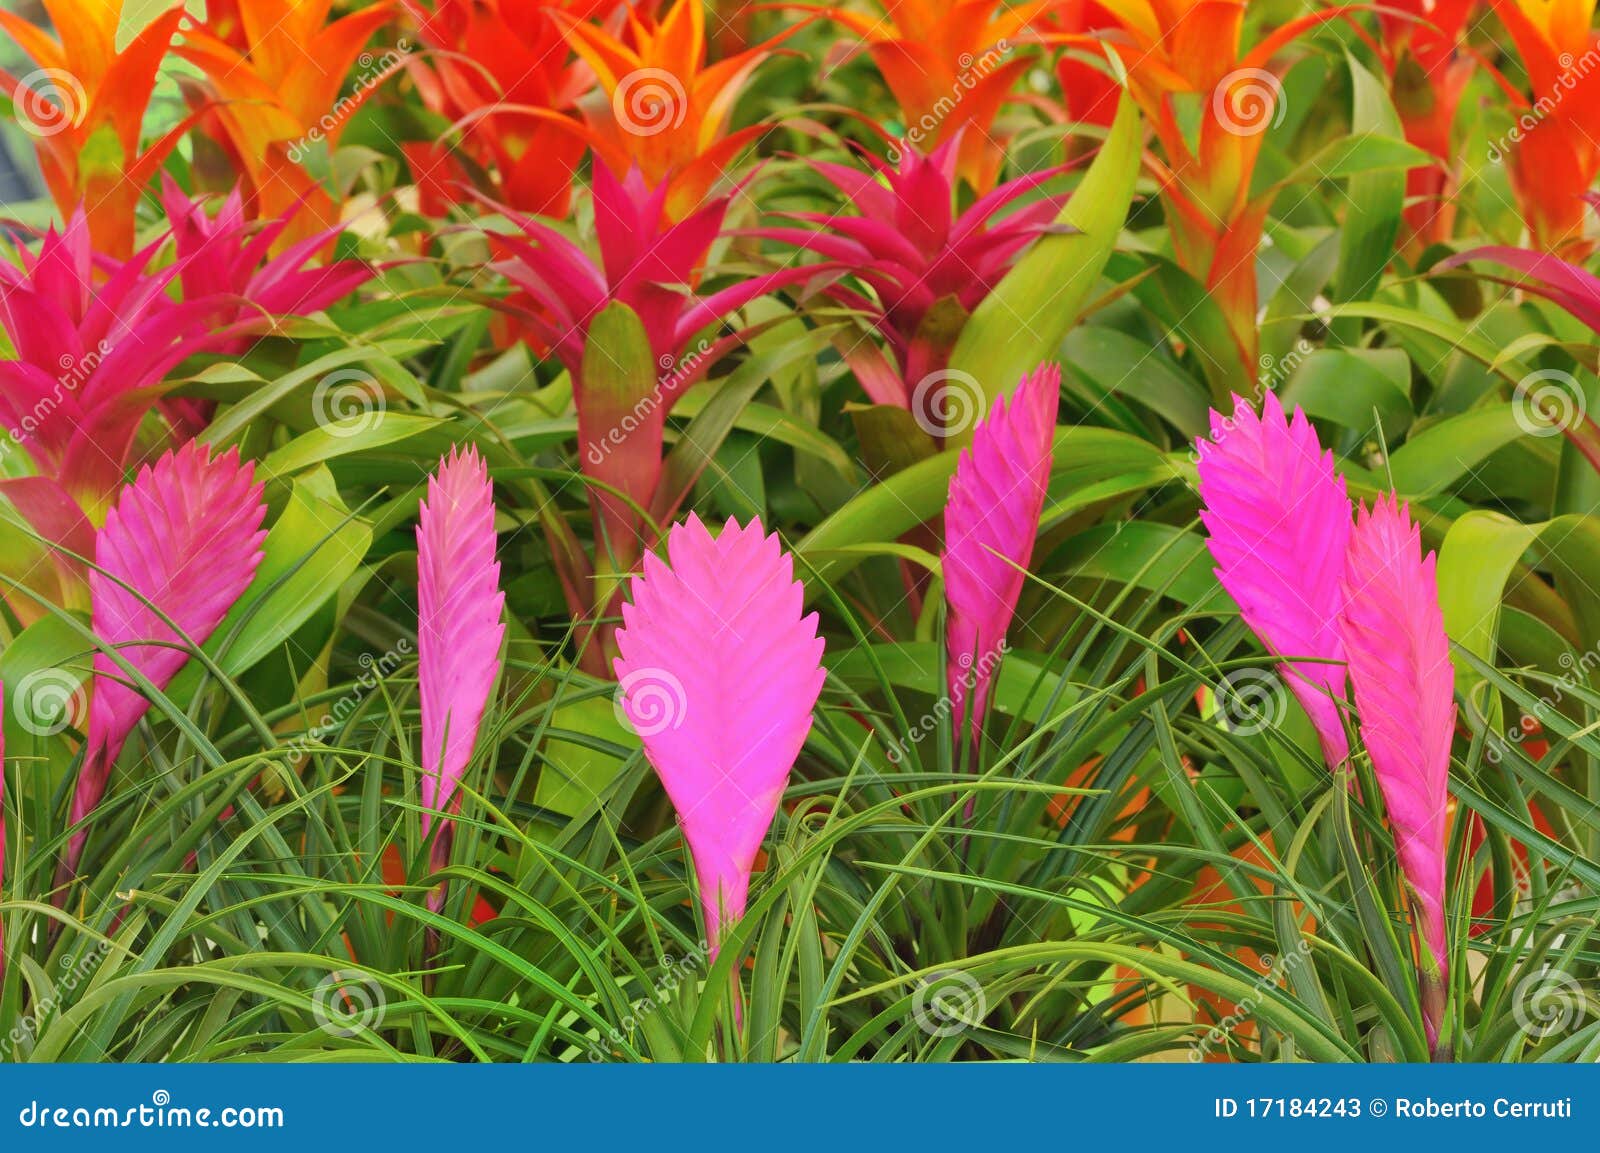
(92, 339)
(906, 243)
(181, 544)
(229, 261)
(1403, 681)
(1278, 522)
(719, 674)
(459, 630)
(653, 269)
(990, 525)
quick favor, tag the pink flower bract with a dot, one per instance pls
(719, 674)
(990, 525)
(182, 543)
(459, 629)
(1278, 521)
(1403, 680)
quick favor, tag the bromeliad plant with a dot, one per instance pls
(297, 697)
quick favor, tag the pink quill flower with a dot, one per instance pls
(990, 525)
(1278, 521)
(459, 630)
(719, 675)
(182, 543)
(1401, 673)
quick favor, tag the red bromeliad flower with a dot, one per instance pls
(1428, 71)
(951, 65)
(1554, 163)
(660, 108)
(276, 68)
(928, 268)
(1210, 103)
(84, 106)
(650, 267)
(491, 62)
(92, 339)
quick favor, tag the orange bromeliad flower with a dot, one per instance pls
(1428, 71)
(949, 63)
(1210, 105)
(1555, 161)
(84, 106)
(277, 68)
(659, 107)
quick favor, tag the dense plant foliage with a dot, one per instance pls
(916, 530)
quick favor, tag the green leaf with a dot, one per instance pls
(1025, 318)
